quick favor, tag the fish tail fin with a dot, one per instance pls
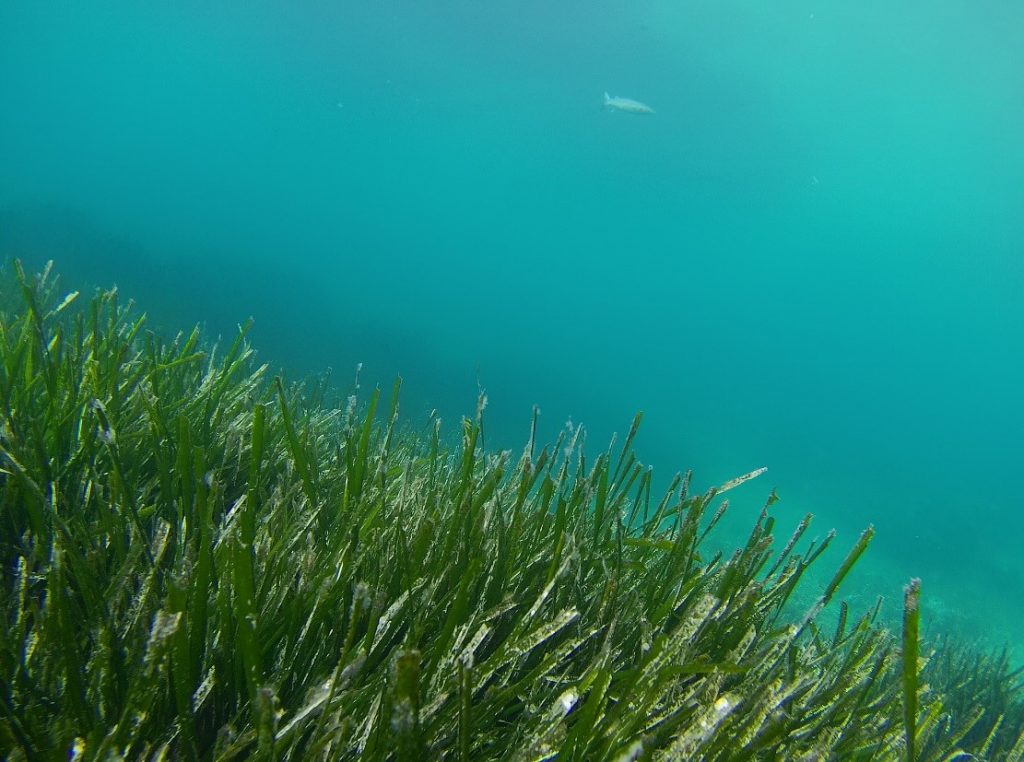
(607, 98)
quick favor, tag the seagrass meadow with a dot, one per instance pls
(203, 562)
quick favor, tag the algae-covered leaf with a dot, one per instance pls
(911, 619)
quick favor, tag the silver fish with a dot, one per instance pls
(627, 104)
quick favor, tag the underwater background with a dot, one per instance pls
(810, 258)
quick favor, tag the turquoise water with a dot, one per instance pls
(811, 257)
